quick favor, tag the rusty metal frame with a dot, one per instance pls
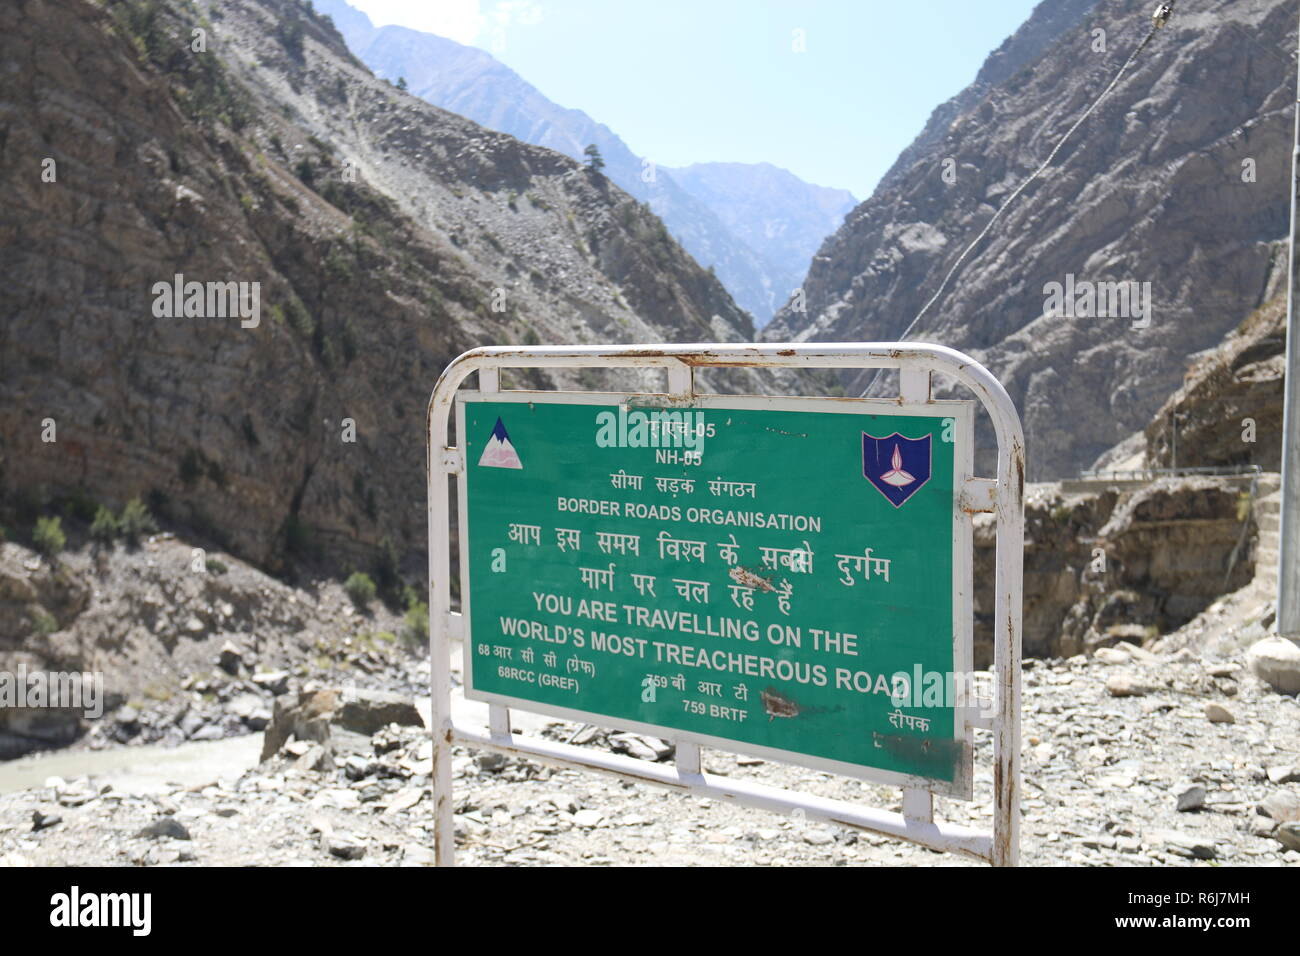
(1004, 496)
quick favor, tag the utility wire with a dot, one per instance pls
(1162, 15)
(1288, 60)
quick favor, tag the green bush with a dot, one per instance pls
(415, 625)
(105, 527)
(215, 566)
(299, 318)
(360, 588)
(136, 521)
(44, 623)
(49, 537)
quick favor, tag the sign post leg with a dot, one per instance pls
(444, 834)
(1006, 652)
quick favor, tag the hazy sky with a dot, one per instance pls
(685, 81)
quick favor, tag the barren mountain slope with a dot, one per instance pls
(387, 236)
(1178, 180)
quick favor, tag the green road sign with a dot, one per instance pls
(789, 578)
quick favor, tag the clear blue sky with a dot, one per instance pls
(685, 81)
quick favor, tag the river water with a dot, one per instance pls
(146, 769)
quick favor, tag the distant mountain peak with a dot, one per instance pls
(758, 232)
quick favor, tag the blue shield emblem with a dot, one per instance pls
(897, 466)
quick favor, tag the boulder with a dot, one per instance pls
(1288, 834)
(230, 658)
(368, 712)
(1276, 661)
(1281, 806)
(250, 709)
(1285, 773)
(312, 714)
(306, 717)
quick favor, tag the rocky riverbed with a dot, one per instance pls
(1132, 757)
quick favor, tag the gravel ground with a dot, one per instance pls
(1104, 776)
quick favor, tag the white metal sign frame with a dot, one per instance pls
(1004, 496)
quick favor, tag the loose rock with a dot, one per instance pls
(1288, 834)
(168, 827)
(1185, 844)
(1112, 655)
(345, 846)
(1126, 685)
(1191, 798)
(1281, 806)
(274, 682)
(1284, 774)
(641, 747)
(230, 658)
(588, 818)
(1276, 661)
(43, 819)
(1218, 714)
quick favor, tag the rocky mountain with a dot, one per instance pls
(1168, 551)
(1229, 408)
(1177, 184)
(149, 144)
(756, 225)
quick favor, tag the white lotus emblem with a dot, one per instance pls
(896, 476)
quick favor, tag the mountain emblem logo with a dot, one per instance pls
(499, 453)
(898, 467)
